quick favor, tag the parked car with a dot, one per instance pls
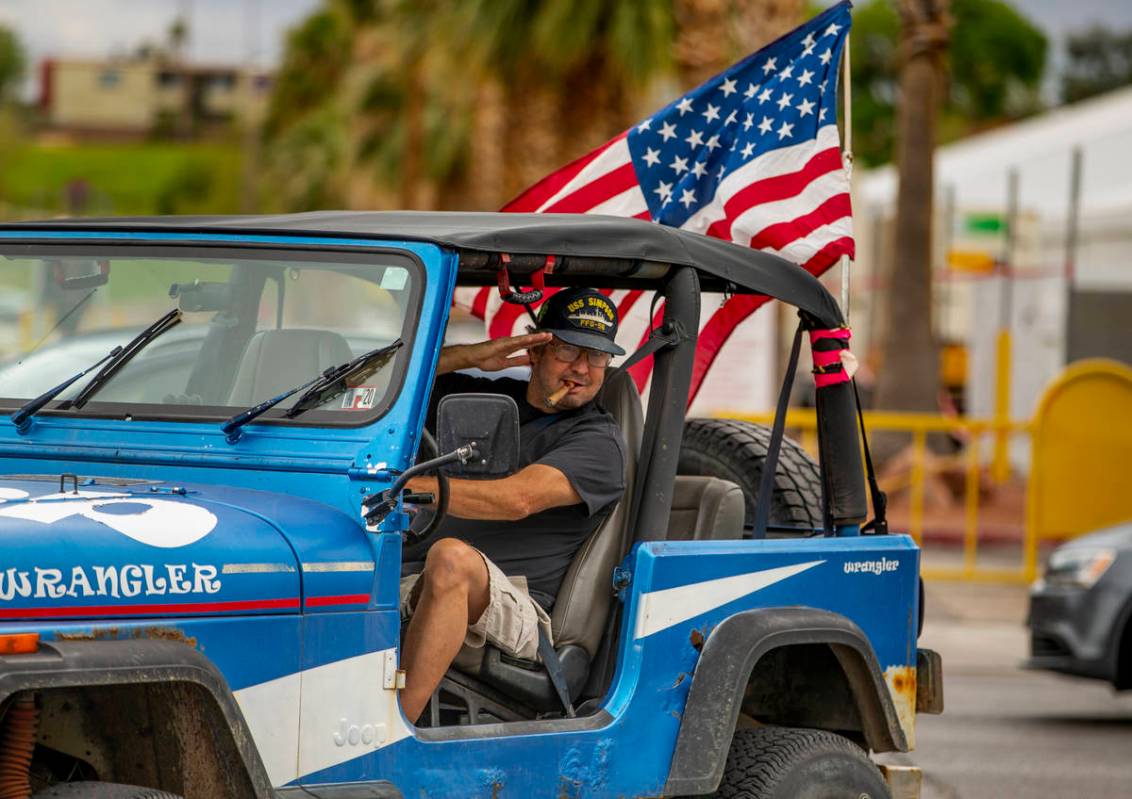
(1080, 616)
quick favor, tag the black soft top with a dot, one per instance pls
(602, 250)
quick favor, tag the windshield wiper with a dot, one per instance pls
(114, 360)
(124, 356)
(22, 418)
(321, 389)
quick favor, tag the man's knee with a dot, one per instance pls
(451, 563)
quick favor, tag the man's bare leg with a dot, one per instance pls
(454, 594)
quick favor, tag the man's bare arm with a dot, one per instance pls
(532, 489)
(490, 356)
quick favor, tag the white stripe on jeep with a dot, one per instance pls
(660, 610)
(257, 568)
(340, 566)
(345, 713)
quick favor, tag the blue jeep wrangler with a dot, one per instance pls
(210, 421)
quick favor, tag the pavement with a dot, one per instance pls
(1006, 732)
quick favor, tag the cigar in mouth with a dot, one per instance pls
(556, 397)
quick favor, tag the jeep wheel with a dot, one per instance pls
(785, 763)
(101, 790)
(736, 451)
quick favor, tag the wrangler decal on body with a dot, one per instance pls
(129, 580)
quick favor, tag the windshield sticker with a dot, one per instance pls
(153, 522)
(128, 581)
(361, 398)
(394, 278)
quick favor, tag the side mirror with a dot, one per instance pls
(491, 422)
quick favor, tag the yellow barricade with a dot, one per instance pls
(1079, 479)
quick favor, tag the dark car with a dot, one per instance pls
(1081, 609)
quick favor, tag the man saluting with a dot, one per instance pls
(528, 525)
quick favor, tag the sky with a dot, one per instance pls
(238, 31)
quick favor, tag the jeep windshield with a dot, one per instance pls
(253, 326)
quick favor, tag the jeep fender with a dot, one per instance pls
(730, 655)
(124, 663)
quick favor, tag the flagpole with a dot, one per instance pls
(847, 163)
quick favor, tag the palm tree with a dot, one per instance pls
(463, 103)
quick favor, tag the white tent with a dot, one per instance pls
(972, 177)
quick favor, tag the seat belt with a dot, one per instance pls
(879, 523)
(553, 665)
(659, 338)
(765, 496)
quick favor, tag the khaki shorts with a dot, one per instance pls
(510, 622)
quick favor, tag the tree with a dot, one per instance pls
(995, 56)
(12, 65)
(909, 378)
(463, 103)
(1099, 60)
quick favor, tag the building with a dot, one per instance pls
(145, 95)
(1063, 289)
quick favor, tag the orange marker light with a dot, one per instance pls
(19, 643)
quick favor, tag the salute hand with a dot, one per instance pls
(498, 354)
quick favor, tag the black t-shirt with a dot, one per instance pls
(585, 445)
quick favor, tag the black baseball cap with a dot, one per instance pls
(582, 317)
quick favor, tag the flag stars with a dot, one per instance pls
(712, 143)
(679, 165)
(668, 131)
(750, 120)
(652, 157)
(685, 105)
(821, 114)
(711, 112)
(687, 197)
(805, 108)
(787, 72)
(787, 130)
(766, 125)
(695, 138)
(728, 87)
(664, 191)
(641, 128)
(808, 44)
(766, 95)
(731, 117)
(805, 78)
(748, 149)
(784, 101)
(770, 66)
(751, 91)
(832, 30)
(699, 168)
(825, 57)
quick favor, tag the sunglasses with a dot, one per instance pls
(568, 353)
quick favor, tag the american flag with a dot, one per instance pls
(753, 155)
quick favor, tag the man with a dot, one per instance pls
(527, 525)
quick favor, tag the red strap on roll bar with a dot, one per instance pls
(517, 296)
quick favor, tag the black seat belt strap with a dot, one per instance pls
(765, 497)
(879, 524)
(553, 665)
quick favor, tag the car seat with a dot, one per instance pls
(276, 360)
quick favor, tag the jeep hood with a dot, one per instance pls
(122, 548)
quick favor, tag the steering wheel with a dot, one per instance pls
(425, 521)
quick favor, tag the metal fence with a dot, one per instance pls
(974, 458)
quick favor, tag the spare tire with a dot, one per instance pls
(735, 450)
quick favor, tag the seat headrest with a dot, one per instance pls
(620, 397)
(276, 360)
